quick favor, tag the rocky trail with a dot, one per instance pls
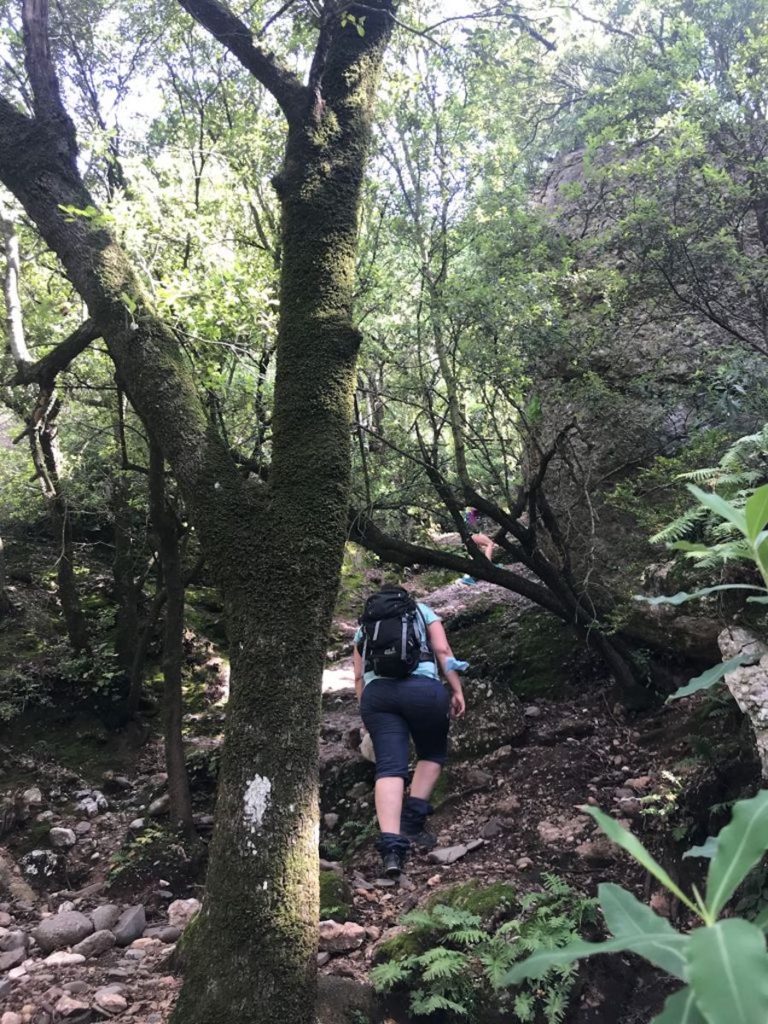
(93, 900)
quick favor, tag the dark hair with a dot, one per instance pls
(390, 587)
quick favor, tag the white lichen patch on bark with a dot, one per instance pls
(256, 801)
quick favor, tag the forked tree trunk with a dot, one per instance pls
(276, 550)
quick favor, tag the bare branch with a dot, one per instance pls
(44, 370)
(364, 531)
(287, 89)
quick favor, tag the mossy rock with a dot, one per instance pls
(335, 897)
(487, 901)
(484, 900)
(534, 654)
(546, 654)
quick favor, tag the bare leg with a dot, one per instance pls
(425, 778)
(485, 544)
(388, 794)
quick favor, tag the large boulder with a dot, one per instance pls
(749, 684)
(494, 719)
(130, 925)
(62, 930)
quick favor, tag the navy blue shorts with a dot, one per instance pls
(394, 709)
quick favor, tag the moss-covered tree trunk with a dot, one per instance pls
(276, 549)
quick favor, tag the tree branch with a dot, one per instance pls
(287, 89)
(364, 531)
(44, 370)
(46, 96)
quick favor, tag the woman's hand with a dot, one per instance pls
(458, 707)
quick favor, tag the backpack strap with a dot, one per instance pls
(431, 654)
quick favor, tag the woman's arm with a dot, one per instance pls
(442, 650)
(357, 661)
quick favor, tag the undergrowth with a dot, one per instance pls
(455, 961)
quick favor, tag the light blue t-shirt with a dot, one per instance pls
(424, 668)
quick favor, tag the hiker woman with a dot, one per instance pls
(400, 649)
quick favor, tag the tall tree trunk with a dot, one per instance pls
(44, 435)
(126, 589)
(166, 531)
(138, 662)
(276, 550)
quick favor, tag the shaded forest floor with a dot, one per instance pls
(508, 807)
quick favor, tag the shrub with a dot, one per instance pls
(723, 963)
(455, 961)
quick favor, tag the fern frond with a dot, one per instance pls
(525, 1007)
(467, 936)
(420, 919)
(423, 1005)
(681, 527)
(555, 885)
(454, 917)
(385, 976)
(555, 1005)
(442, 963)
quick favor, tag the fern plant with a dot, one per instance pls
(749, 525)
(458, 964)
(742, 468)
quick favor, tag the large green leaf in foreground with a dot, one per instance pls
(740, 845)
(728, 972)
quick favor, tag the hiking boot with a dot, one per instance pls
(423, 840)
(393, 849)
(413, 820)
(393, 863)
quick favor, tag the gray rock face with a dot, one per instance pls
(62, 838)
(130, 926)
(62, 930)
(181, 912)
(105, 917)
(450, 854)
(95, 944)
(159, 807)
(497, 719)
(164, 933)
(749, 684)
(12, 958)
(12, 939)
(340, 938)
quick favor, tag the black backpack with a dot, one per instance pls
(391, 645)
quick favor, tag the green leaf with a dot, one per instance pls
(680, 1008)
(761, 921)
(626, 916)
(629, 842)
(720, 507)
(648, 946)
(756, 512)
(689, 546)
(728, 972)
(707, 849)
(682, 596)
(740, 845)
(711, 676)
